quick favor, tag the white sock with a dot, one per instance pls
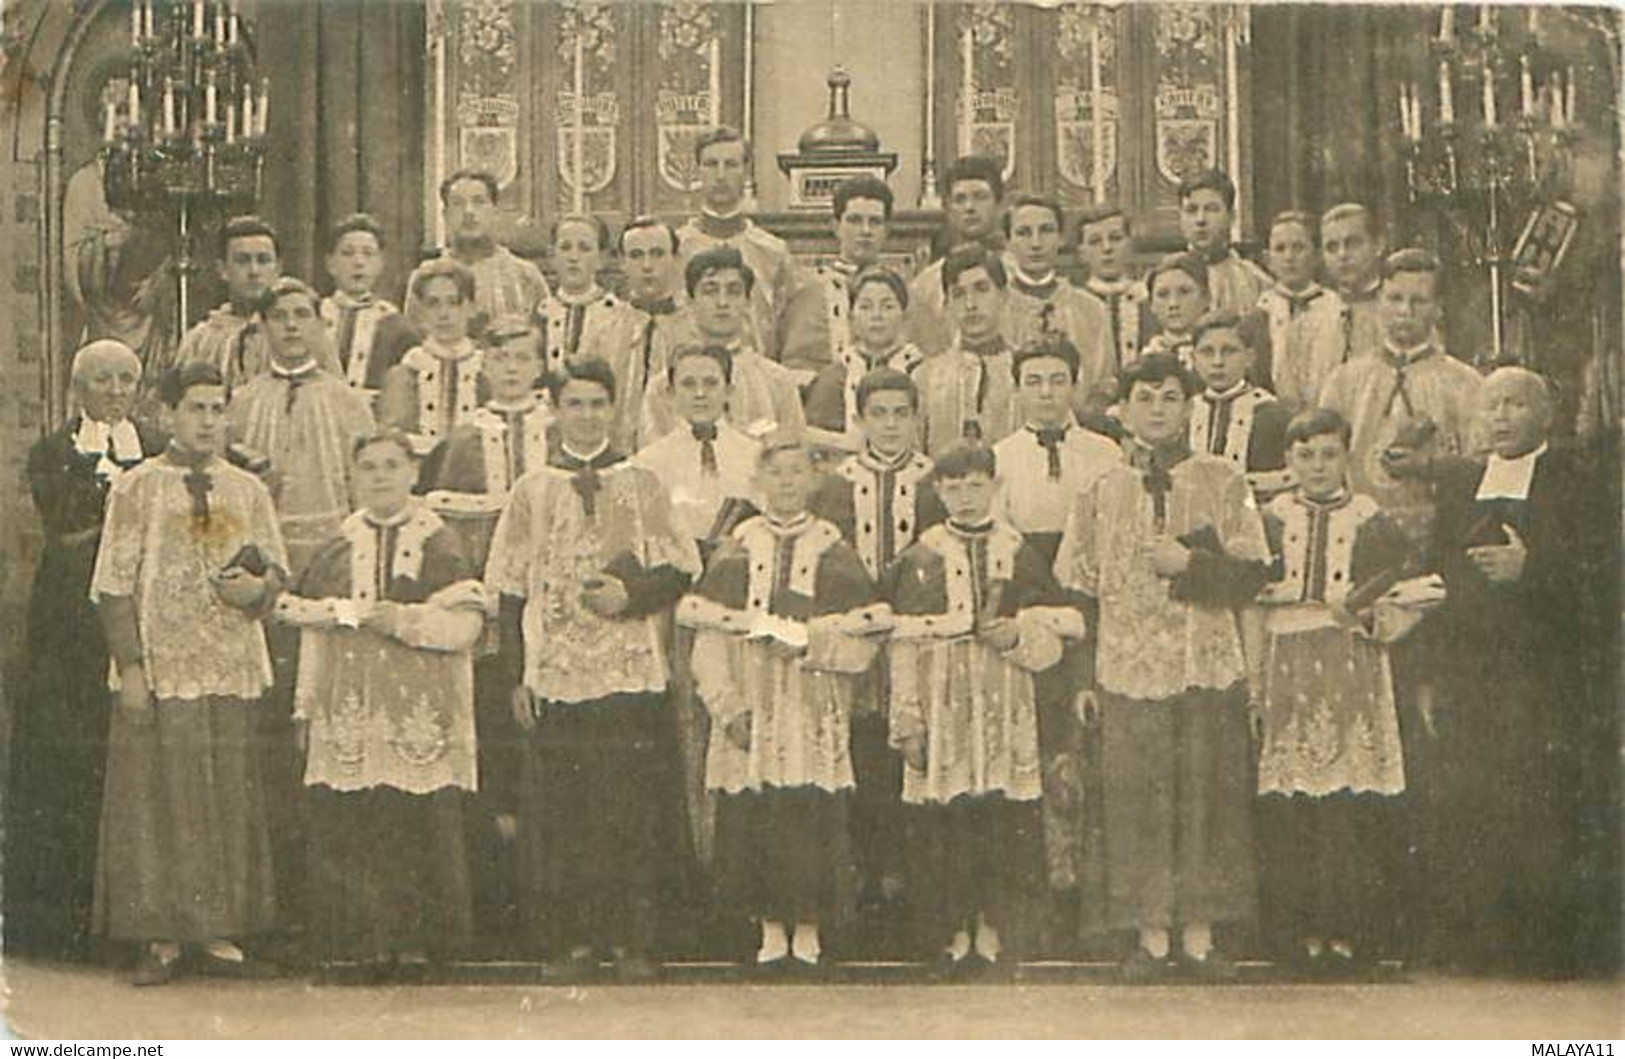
(775, 945)
(1197, 940)
(1313, 947)
(959, 948)
(1154, 940)
(805, 946)
(166, 952)
(221, 949)
(1343, 948)
(987, 939)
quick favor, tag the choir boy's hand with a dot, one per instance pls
(914, 753)
(1001, 634)
(739, 730)
(605, 596)
(525, 707)
(133, 697)
(1169, 558)
(1501, 563)
(382, 617)
(1088, 707)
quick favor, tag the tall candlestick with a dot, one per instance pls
(220, 24)
(1526, 87)
(1556, 90)
(135, 23)
(231, 29)
(1447, 102)
(715, 84)
(1486, 21)
(209, 114)
(262, 111)
(1534, 24)
(169, 108)
(1569, 94)
(1416, 112)
(1489, 98)
(197, 18)
(109, 121)
(1405, 110)
(231, 124)
(967, 114)
(1447, 24)
(1097, 112)
(135, 104)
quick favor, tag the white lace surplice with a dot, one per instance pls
(155, 552)
(1152, 647)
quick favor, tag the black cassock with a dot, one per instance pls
(58, 743)
(1518, 790)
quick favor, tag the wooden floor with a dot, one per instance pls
(62, 1001)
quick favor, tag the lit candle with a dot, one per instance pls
(248, 111)
(1416, 113)
(209, 114)
(135, 23)
(169, 108)
(231, 124)
(220, 24)
(967, 113)
(1097, 113)
(1489, 98)
(1447, 24)
(231, 27)
(1447, 103)
(1569, 92)
(1534, 24)
(1526, 87)
(197, 18)
(263, 110)
(1405, 110)
(1486, 21)
(715, 82)
(109, 121)
(135, 104)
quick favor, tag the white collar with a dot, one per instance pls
(1235, 391)
(1032, 281)
(1109, 287)
(586, 297)
(465, 347)
(584, 457)
(1506, 479)
(118, 440)
(737, 213)
(306, 368)
(524, 404)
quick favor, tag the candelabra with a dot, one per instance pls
(1481, 169)
(191, 146)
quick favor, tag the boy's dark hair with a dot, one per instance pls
(177, 380)
(507, 327)
(587, 369)
(283, 286)
(1041, 201)
(1220, 321)
(1190, 264)
(719, 134)
(962, 461)
(883, 276)
(639, 223)
(717, 259)
(1045, 345)
(973, 167)
(1209, 180)
(1154, 369)
(391, 435)
(356, 222)
(244, 227)
(1318, 422)
(1410, 259)
(782, 440)
(1299, 217)
(1094, 213)
(691, 350)
(443, 268)
(862, 187)
(886, 380)
(461, 175)
(597, 224)
(967, 258)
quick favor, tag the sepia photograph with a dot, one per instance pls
(810, 519)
